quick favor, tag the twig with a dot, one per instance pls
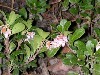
(19, 44)
(7, 7)
(33, 57)
(6, 42)
(12, 4)
(37, 52)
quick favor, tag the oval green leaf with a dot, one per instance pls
(18, 28)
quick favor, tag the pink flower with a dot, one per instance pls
(29, 35)
(60, 40)
(6, 31)
(52, 44)
(48, 45)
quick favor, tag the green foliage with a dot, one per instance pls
(89, 47)
(86, 6)
(51, 53)
(37, 6)
(81, 49)
(64, 25)
(22, 55)
(74, 10)
(16, 71)
(23, 13)
(74, 1)
(28, 52)
(32, 64)
(12, 18)
(42, 33)
(96, 70)
(12, 46)
(77, 34)
(70, 59)
(0, 47)
(18, 28)
(28, 23)
(36, 42)
(97, 54)
(97, 30)
(65, 4)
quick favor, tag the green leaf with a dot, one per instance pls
(97, 30)
(64, 25)
(1, 23)
(51, 53)
(81, 48)
(74, 1)
(81, 62)
(32, 64)
(89, 47)
(2, 55)
(70, 59)
(12, 17)
(28, 23)
(67, 61)
(77, 34)
(97, 53)
(94, 41)
(80, 45)
(27, 50)
(43, 49)
(65, 3)
(96, 69)
(36, 42)
(67, 25)
(63, 21)
(16, 71)
(86, 6)
(41, 55)
(12, 46)
(66, 33)
(73, 11)
(23, 12)
(85, 70)
(18, 28)
(31, 2)
(60, 28)
(42, 33)
(1, 47)
(16, 53)
(97, 56)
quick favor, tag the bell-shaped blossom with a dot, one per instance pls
(6, 31)
(60, 40)
(29, 35)
(98, 46)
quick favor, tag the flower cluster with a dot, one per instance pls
(60, 40)
(6, 31)
(29, 35)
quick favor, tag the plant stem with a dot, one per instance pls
(6, 42)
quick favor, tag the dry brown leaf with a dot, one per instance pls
(66, 49)
(59, 66)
